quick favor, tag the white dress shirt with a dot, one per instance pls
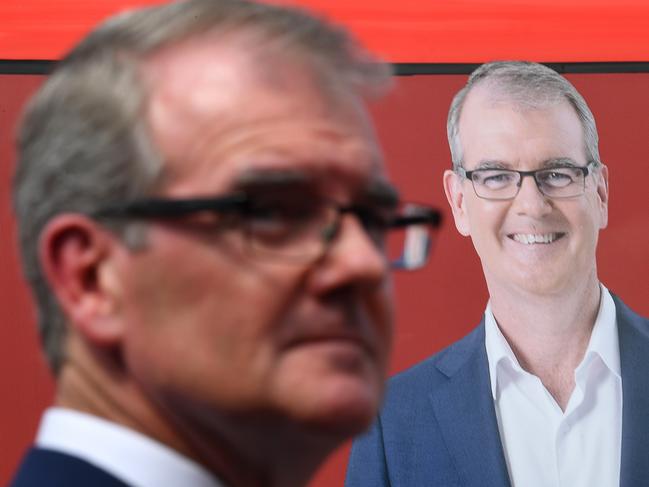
(124, 453)
(543, 445)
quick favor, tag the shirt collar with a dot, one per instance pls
(603, 342)
(134, 458)
(498, 349)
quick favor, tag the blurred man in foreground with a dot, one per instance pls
(203, 212)
(552, 388)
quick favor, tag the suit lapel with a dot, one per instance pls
(634, 360)
(466, 415)
(43, 467)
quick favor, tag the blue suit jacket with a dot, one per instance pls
(47, 468)
(438, 424)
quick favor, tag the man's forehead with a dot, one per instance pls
(504, 132)
(234, 61)
(488, 110)
(219, 71)
(175, 73)
(490, 95)
(208, 105)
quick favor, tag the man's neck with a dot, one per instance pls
(548, 334)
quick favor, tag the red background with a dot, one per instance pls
(441, 31)
(444, 301)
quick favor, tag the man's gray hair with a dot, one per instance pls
(529, 85)
(84, 141)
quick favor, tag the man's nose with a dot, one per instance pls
(530, 200)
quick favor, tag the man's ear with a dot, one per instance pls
(75, 255)
(455, 195)
(601, 177)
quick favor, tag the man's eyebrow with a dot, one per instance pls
(272, 177)
(560, 162)
(492, 164)
(548, 163)
(377, 190)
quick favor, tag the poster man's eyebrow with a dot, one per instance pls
(560, 161)
(492, 164)
(551, 162)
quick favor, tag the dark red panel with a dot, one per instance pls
(25, 384)
(436, 305)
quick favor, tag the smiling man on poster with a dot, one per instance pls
(552, 388)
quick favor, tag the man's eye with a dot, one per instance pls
(558, 178)
(495, 179)
(275, 215)
(277, 222)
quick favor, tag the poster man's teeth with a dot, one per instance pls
(535, 238)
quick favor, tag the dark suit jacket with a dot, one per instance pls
(438, 425)
(48, 468)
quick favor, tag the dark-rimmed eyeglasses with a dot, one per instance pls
(300, 230)
(504, 184)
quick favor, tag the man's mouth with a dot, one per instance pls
(535, 238)
(333, 338)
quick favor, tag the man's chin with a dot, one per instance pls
(344, 408)
(332, 387)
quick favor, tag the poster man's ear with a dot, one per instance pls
(454, 190)
(601, 177)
